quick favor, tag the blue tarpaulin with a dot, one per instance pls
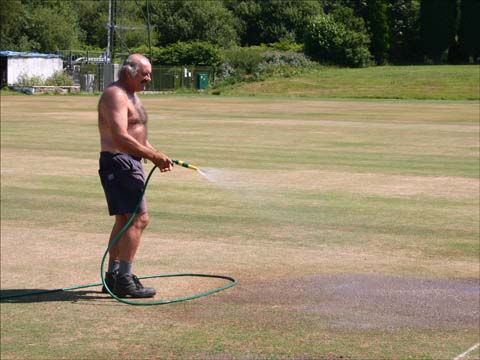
(7, 53)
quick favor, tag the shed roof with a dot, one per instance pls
(7, 53)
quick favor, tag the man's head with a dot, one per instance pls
(136, 72)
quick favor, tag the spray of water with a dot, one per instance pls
(203, 173)
(215, 176)
(238, 180)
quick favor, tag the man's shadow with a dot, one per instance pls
(42, 295)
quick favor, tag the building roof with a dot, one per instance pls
(7, 53)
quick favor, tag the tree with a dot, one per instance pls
(13, 21)
(347, 17)
(247, 12)
(39, 26)
(270, 21)
(183, 20)
(92, 19)
(405, 31)
(438, 22)
(54, 27)
(331, 42)
(356, 6)
(469, 29)
(376, 18)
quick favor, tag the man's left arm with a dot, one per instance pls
(150, 146)
(147, 144)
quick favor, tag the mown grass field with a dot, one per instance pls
(351, 226)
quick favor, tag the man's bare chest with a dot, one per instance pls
(136, 112)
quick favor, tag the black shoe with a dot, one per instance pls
(110, 281)
(128, 285)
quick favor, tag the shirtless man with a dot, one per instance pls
(122, 123)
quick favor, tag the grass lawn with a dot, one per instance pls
(444, 82)
(351, 226)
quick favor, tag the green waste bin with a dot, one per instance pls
(202, 81)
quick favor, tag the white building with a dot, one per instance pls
(14, 65)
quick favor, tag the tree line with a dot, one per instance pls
(352, 33)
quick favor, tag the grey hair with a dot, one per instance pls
(129, 65)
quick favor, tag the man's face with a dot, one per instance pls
(143, 76)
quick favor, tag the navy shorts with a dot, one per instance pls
(123, 181)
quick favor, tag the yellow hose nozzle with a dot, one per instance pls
(185, 164)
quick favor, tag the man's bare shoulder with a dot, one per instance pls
(113, 95)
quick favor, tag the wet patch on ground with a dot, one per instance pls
(357, 301)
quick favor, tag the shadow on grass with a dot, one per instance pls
(41, 295)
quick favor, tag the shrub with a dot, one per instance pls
(356, 50)
(258, 63)
(203, 53)
(281, 63)
(244, 59)
(286, 58)
(286, 45)
(183, 53)
(330, 42)
(59, 78)
(225, 71)
(25, 80)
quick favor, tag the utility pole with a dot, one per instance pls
(113, 24)
(114, 30)
(149, 36)
(109, 31)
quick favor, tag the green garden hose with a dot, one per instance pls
(232, 282)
